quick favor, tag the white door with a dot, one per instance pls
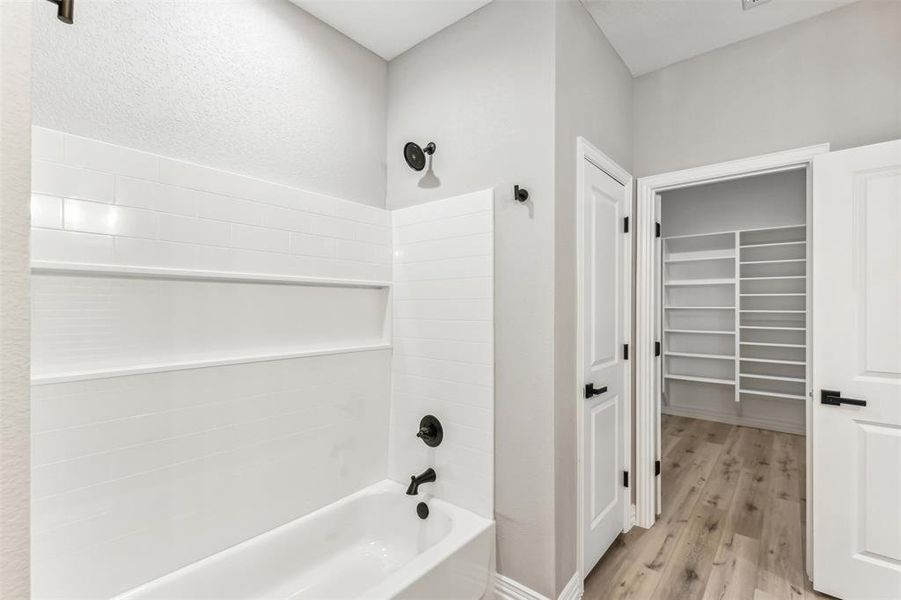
(605, 294)
(857, 356)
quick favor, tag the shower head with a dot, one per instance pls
(64, 10)
(415, 156)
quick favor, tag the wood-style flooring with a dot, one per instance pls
(732, 525)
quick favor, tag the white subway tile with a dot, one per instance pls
(140, 193)
(363, 252)
(313, 245)
(225, 208)
(475, 352)
(110, 158)
(449, 268)
(464, 225)
(468, 331)
(443, 289)
(93, 217)
(373, 234)
(470, 245)
(46, 211)
(70, 246)
(439, 309)
(284, 218)
(177, 228)
(60, 180)
(47, 144)
(332, 227)
(259, 238)
(157, 253)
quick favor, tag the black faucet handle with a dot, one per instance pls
(430, 431)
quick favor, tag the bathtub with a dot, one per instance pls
(370, 544)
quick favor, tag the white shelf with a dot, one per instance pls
(688, 282)
(698, 308)
(772, 394)
(123, 271)
(68, 376)
(772, 345)
(775, 295)
(754, 310)
(694, 355)
(775, 277)
(699, 259)
(793, 243)
(773, 328)
(771, 262)
(699, 331)
(700, 379)
(775, 361)
(772, 377)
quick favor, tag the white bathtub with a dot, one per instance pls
(370, 544)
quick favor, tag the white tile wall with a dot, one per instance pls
(124, 194)
(140, 474)
(136, 476)
(444, 347)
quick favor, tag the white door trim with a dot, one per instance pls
(646, 334)
(586, 151)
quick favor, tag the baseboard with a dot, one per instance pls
(573, 589)
(510, 589)
(695, 413)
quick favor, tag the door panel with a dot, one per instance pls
(857, 351)
(605, 291)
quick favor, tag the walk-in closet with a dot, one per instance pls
(734, 301)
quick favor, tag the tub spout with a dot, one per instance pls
(427, 476)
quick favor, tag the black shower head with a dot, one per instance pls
(415, 156)
(64, 10)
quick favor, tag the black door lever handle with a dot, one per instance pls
(591, 391)
(834, 398)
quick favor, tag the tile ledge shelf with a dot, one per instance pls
(70, 376)
(127, 271)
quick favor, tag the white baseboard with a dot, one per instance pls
(706, 415)
(573, 589)
(510, 589)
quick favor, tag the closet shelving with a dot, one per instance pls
(734, 311)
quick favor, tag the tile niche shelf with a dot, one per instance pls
(735, 311)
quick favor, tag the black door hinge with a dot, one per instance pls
(656, 348)
(625, 351)
(656, 229)
(656, 467)
(625, 479)
(626, 225)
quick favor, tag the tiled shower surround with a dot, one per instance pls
(213, 357)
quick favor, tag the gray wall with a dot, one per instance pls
(594, 100)
(257, 87)
(834, 78)
(772, 200)
(483, 91)
(15, 190)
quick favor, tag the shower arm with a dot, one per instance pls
(64, 10)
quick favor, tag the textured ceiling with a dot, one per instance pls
(651, 34)
(390, 27)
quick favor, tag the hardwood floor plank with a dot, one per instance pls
(781, 563)
(732, 526)
(734, 572)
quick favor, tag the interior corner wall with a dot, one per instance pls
(256, 87)
(483, 91)
(15, 184)
(834, 78)
(593, 100)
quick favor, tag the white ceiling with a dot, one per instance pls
(651, 34)
(389, 27)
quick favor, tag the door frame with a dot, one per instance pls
(586, 151)
(646, 421)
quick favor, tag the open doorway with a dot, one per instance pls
(723, 392)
